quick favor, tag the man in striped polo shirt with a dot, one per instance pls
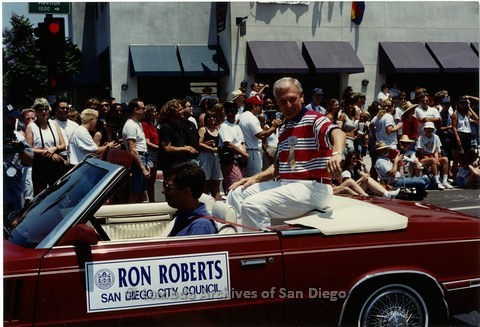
(309, 155)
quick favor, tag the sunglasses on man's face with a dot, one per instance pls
(167, 187)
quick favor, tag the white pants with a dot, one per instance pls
(261, 202)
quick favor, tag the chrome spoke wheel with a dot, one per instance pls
(394, 307)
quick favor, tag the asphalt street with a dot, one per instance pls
(461, 200)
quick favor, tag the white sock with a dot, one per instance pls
(437, 178)
(445, 178)
(386, 194)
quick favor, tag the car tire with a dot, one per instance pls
(393, 305)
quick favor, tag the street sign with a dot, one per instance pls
(49, 7)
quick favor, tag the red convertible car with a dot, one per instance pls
(72, 259)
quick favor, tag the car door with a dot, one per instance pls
(203, 279)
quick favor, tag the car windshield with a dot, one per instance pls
(49, 209)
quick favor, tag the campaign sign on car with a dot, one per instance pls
(150, 282)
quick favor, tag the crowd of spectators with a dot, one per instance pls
(425, 139)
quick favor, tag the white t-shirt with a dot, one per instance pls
(381, 130)
(421, 113)
(81, 144)
(383, 96)
(383, 165)
(429, 144)
(250, 126)
(272, 140)
(67, 127)
(229, 132)
(134, 131)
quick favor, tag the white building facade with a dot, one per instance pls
(161, 50)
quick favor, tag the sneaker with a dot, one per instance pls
(448, 185)
(440, 186)
(393, 194)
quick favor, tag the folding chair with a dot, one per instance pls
(406, 193)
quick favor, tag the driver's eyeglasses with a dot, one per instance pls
(167, 187)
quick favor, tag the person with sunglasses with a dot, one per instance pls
(67, 126)
(425, 113)
(46, 139)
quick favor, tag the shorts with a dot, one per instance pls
(152, 158)
(425, 156)
(466, 140)
(138, 183)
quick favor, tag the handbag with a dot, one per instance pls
(225, 154)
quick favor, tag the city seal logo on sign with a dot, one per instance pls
(104, 279)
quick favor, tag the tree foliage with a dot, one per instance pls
(24, 75)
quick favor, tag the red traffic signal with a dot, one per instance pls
(54, 27)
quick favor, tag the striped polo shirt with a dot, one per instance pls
(309, 135)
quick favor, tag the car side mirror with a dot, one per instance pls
(80, 234)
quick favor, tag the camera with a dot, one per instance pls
(12, 146)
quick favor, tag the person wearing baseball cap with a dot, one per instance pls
(253, 134)
(428, 149)
(317, 97)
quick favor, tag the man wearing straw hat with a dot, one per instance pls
(410, 159)
(388, 172)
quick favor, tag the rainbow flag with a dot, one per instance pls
(358, 8)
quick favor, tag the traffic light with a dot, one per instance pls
(55, 36)
(51, 40)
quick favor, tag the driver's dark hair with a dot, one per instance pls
(189, 175)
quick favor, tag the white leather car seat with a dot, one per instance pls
(208, 200)
(224, 211)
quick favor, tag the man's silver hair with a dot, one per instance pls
(284, 83)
